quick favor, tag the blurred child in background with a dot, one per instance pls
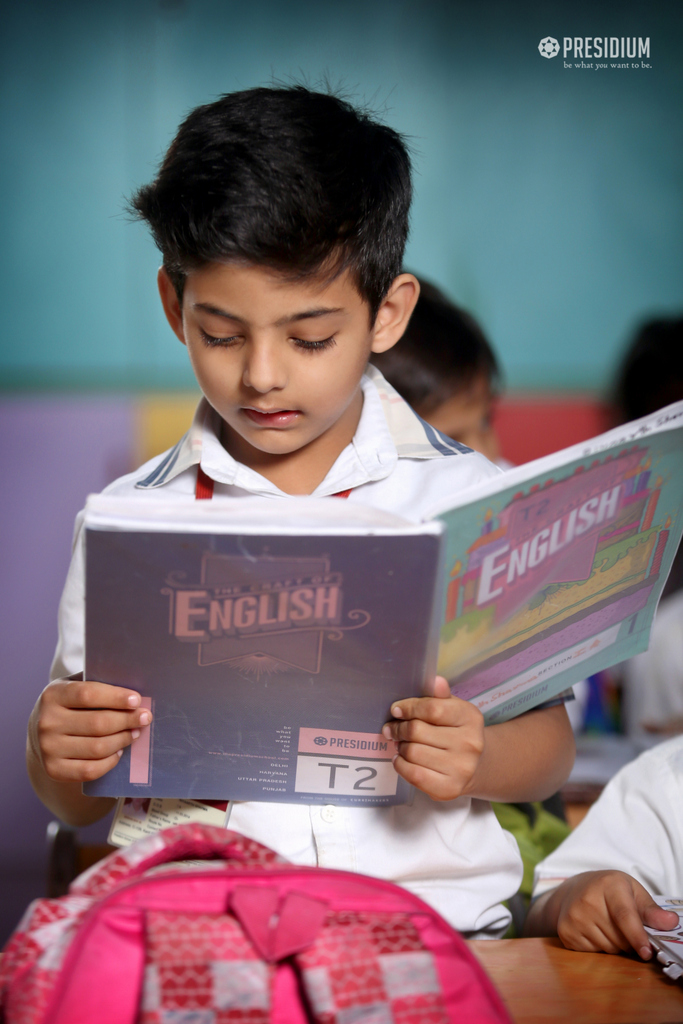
(445, 368)
(594, 892)
(651, 376)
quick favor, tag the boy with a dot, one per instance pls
(594, 890)
(282, 215)
(446, 370)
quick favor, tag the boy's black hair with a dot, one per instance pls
(296, 180)
(441, 353)
(651, 372)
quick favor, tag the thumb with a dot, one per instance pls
(655, 917)
(651, 914)
(441, 688)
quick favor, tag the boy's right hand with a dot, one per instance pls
(79, 729)
(604, 911)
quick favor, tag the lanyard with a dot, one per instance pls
(204, 487)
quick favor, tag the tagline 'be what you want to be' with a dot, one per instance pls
(599, 53)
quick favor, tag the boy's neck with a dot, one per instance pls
(302, 470)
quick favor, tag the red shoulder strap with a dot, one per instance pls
(204, 488)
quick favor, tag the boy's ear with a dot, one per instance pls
(395, 312)
(171, 304)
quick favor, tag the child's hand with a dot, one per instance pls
(604, 911)
(78, 729)
(441, 741)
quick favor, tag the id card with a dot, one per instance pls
(135, 818)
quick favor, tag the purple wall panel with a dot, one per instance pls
(54, 451)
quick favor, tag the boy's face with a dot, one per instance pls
(466, 417)
(281, 360)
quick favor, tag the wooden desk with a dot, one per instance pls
(540, 981)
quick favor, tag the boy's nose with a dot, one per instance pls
(263, 371)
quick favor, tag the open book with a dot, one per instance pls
(271, 638)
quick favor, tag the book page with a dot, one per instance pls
(158, 512)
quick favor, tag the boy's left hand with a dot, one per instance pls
(599, 912)
(441, 741)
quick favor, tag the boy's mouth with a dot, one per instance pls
(276, 418)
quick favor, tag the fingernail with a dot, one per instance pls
(397, 712)
(135, 733)
(134, 700)
(386, 732)
(118, 753)
(144, 718)
(645, 952)
(394, 758)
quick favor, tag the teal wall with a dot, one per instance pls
(548, 200)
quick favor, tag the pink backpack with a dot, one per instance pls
(150, 936)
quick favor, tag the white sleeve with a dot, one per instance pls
(68, 657)
(636, 826)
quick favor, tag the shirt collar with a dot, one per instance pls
(413, 438)
(388, 430)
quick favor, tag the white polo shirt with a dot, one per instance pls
(453, 855)
(636, 826)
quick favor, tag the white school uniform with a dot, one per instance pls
(453, 855)
(636, 826)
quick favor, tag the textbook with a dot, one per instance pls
(271, 647)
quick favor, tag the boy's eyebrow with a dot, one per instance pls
(307, 314)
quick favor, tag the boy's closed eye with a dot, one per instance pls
(212, 341)
(308, 345)
(315, 346)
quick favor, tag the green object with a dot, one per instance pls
(537, 831)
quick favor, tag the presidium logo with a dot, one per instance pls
(597, 48)
(548, 47)
(260, 614)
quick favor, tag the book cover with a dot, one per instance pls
(270, 660)
(555, 572)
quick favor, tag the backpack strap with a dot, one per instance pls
(182, 842)
(204, 487)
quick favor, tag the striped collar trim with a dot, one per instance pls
(185, 454)
(412, 437)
